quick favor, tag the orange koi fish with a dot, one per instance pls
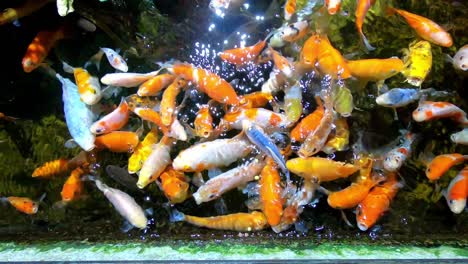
(309, 123)
(11, 14)
(151, 115)
(457, 192)
(51, 168)
(203, 122)
(428, 110)
(88, 86)
(270, 193)
(289, 9)
(361, 11)
(112, 121)
(73, 187)
(40, 47)
(168, 101)
(442, 163)
(7, 118)
(213, 85)
(266, 119)
(377, 202)
(321, 169)
(333, 6)
(174, 185)
(156, 84)
(375, 69)
(425, 28)
(255, 99)
(241, 56)
(242, 222)
(330, 61)
(23, 204)
(118, 141)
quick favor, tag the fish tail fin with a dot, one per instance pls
(365, 42)
(176, 216)
(95, 59)
(67, 67)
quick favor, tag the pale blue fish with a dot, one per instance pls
(399, 97)
(78, 116)
(262, 141)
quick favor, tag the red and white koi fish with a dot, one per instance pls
(333, 6)
(266, 119)
(115, 120)
(457, 192)
(428, 110)
(395, 158)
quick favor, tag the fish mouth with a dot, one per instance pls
(362, 227)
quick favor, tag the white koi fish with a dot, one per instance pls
(115, 60)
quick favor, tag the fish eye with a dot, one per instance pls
(463, 66)
(99, 130)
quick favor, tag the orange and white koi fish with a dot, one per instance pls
(168, 101)
(266, 119)
(156, 84)
(7, 118)
(51, 168)
(457, 192)
(127, 79)
(177, 131)
(24, 204)
(316, 140)
(270, 193)
(377, 202)
(282, 63)
(217, 153)
(142, 151)
(442, 163)
(375, 69)
(242, 222)
(340, 140)
(321, 169)
(244, 55)
(73, 186)
(352, 195)
(174, 185)
(156, 162)
(88, 85)
(289, 9)
(333, 6)
(151, 115)
(255, 100)
(217, 186)
(115, 120)
(40, 47)
(424, 27)
(118, 141)
(361, 11)
(115, 60)
(213, 85)
(11, 14)
(395, 158)
(428, 110)
(203, 122)
(309, 123)
(289, 33)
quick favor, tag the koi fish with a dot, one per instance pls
(115, 60)
(258, 137)
(78, 116)
(152, 116)
(377, 202)
(399, 97)
(293, 102)
(11, 14)
(395, 158)
(122, 176)
(460, 59)
(288, 34)
(217, 153)
(203, 122)
(24, 204)
(282, 63)
(340, 140)
(156, 162)
(7, 118)
(244, 55)
(242, 222)
(425, 28)
(275, 83)
(333, 6)
(213, 85)
(330, 61)
(168, 101)
(418, 62)
(375, 70)
(127, 79)
(124, 204)
(361, 11)
(174, 185)
(177, 131)
(289, 9)
(40, 47)
(309, 123)
(88, 85)
(118, 141)
(115, 120)
(73, 186)
(460, 137)
(457, 192)
(51, 168)
(343, 101)
(266, 119)
(428, 110)
(156, 84)
(321, 169)
(255, 100)
(442, 163)
(142, 151)
(228, 180)
(270, 193)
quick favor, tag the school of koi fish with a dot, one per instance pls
(280, 146)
